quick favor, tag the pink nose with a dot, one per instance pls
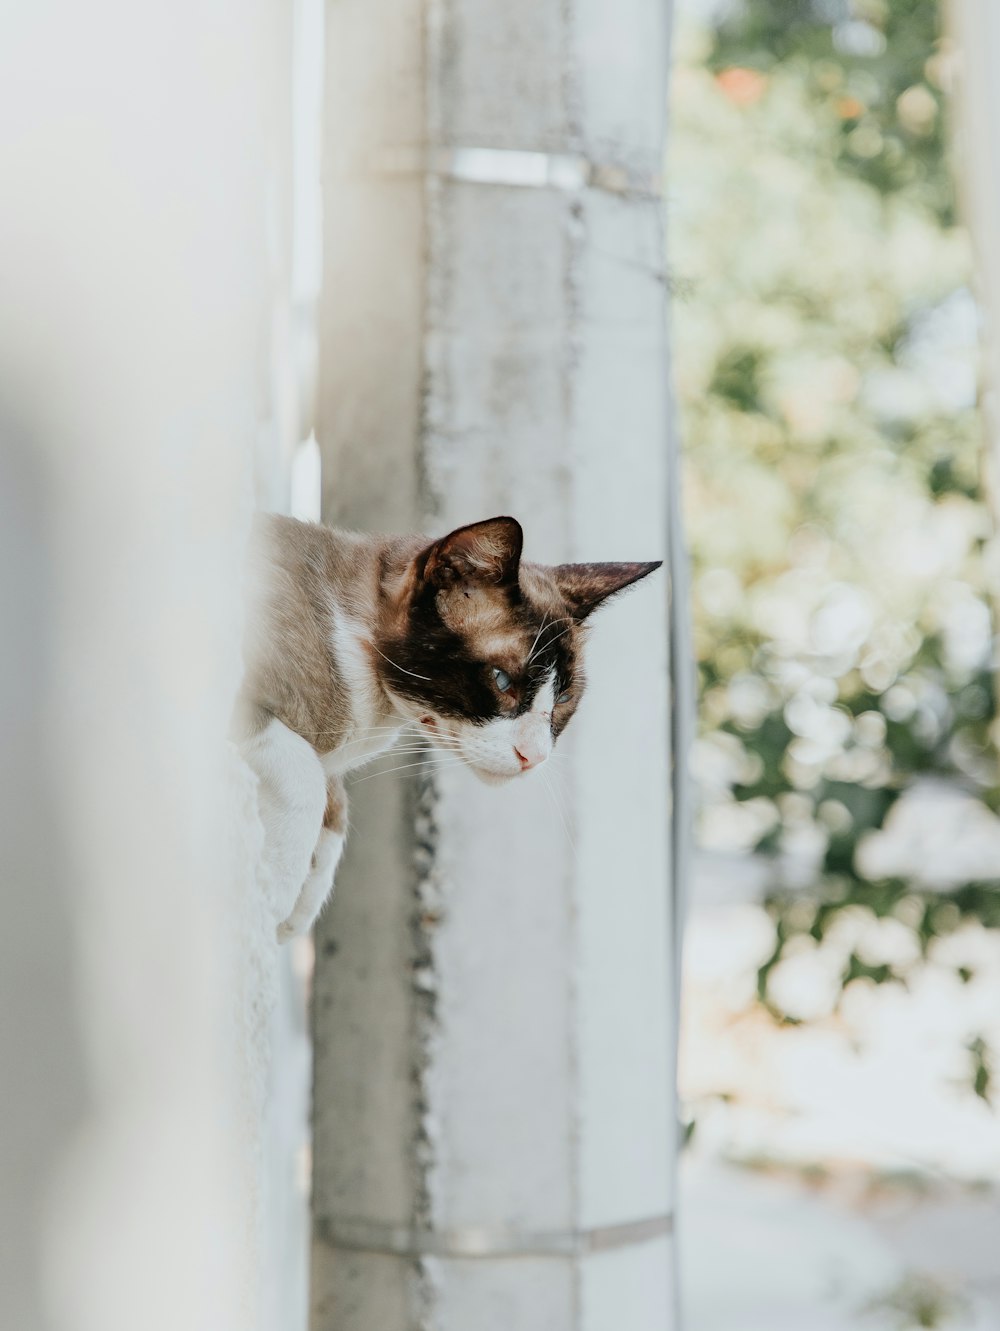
(527, 762)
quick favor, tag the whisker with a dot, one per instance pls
(399, 667)
(395, 753)
(373, 734)
(363, 739)
(559, 810)
(423, 748)
(537, 636)
(425, 737)
(551, 641)
(405, 767)
(548, 643)
(365, 735)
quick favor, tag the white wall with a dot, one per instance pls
(148, 387)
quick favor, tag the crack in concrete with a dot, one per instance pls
(425, 916)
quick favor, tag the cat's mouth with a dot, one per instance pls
(489, 777)
(492, 770)
(448, 742)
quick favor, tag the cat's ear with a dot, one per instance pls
(585, 586)
(487, 552)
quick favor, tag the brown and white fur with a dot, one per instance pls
(354, 637)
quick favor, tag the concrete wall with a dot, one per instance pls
(494, 997)
(148, 387)
(975, 32)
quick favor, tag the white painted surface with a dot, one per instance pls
(144, 358)
(501, 1081)
(493, 1296)
(633, 1287)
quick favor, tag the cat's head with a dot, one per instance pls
(484, 650)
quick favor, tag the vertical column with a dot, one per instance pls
(974, 27)
(366, 1108)
(493, 1011)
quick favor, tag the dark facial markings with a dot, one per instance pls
(441, 668)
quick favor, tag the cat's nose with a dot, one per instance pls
(528, 760)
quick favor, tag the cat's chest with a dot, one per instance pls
(369, 729)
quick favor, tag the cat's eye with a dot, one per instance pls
(563, 697)
(503, 680)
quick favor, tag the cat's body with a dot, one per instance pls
(352, 638)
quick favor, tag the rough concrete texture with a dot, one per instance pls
(493, 1000)
(363, 1006)
(498, 1294)
(499, 77)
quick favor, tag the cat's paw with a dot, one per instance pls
(286, 930)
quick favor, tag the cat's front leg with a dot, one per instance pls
(319, 881)
(291, 793)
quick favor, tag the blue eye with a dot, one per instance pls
(563, 697)
(502, 678)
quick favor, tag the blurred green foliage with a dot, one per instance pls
(878, 63)
(826, 372)
(921, 1301)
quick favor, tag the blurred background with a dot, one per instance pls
(841, 1008)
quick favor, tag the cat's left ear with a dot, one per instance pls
(488, 552)
(585, 586)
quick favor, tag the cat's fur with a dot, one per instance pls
(354, 637)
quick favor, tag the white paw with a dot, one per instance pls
(286, 930)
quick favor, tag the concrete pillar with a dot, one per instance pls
(974, 28)
(494, 992)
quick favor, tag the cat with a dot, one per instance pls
(352, 638)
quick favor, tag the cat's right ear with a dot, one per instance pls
(484, 552)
